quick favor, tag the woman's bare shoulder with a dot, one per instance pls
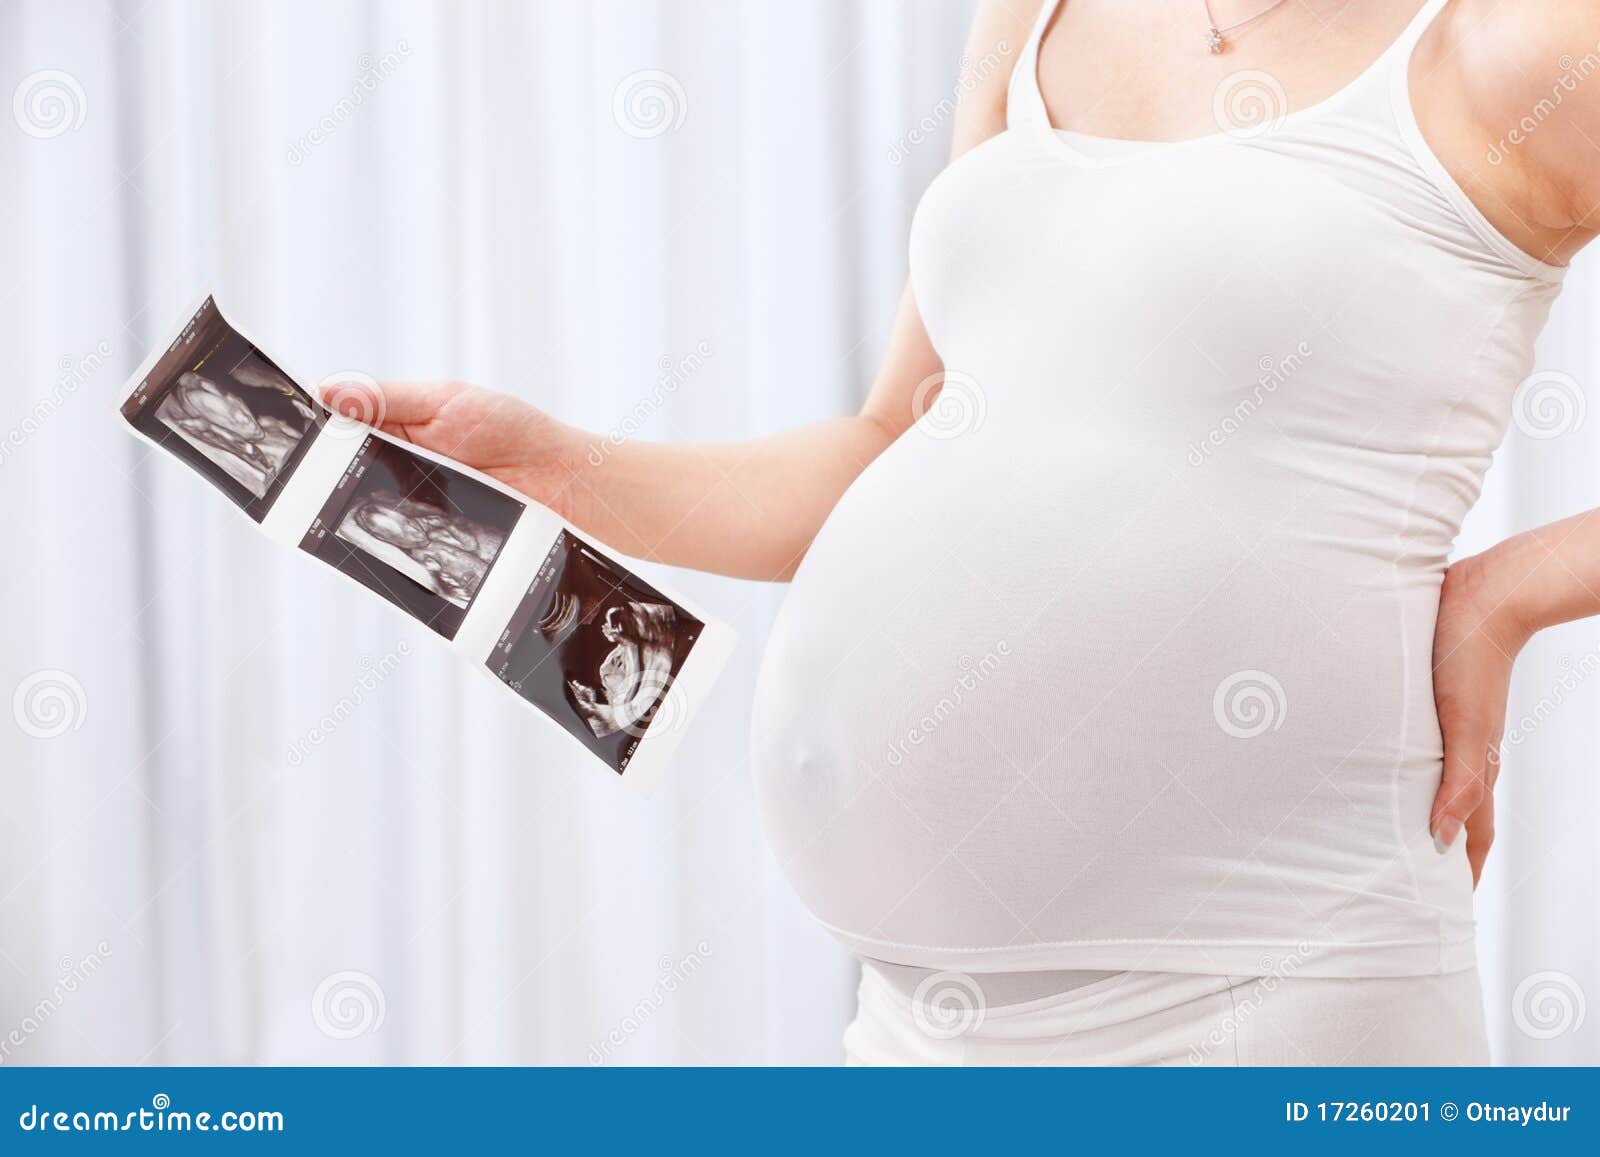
(1522, 84)
(1000, 29)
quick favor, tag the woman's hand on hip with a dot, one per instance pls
(1474, 646)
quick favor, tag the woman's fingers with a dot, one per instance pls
(360, 399)
(1464, 787)
(391, 406)
(1480, 835)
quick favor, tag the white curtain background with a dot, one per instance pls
(459, 190)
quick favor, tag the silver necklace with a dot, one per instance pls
(1217, 38)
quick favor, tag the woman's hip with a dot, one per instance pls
(1165, 1018)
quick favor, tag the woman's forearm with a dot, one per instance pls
(747, 509)
(1542, 577)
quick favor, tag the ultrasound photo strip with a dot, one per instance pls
(578, 637)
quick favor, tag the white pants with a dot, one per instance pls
(1167, 1018)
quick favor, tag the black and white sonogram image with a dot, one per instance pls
(595, 648)
(420, 534)
(222, 406)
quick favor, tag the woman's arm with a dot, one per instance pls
(1520, 126)
(1491, 605)
(748, 509)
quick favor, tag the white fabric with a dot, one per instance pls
(1174, 1019)
(1068, 681)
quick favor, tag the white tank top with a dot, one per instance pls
(1120, 657)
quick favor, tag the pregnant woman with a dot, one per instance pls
(1123, 709)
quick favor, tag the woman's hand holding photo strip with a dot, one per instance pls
(614, 662)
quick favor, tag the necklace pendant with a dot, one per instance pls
(1215, 41)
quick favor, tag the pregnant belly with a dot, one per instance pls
(1031, 694)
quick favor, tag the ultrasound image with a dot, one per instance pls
(420, 534)
(595, 648)
(220, 405)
